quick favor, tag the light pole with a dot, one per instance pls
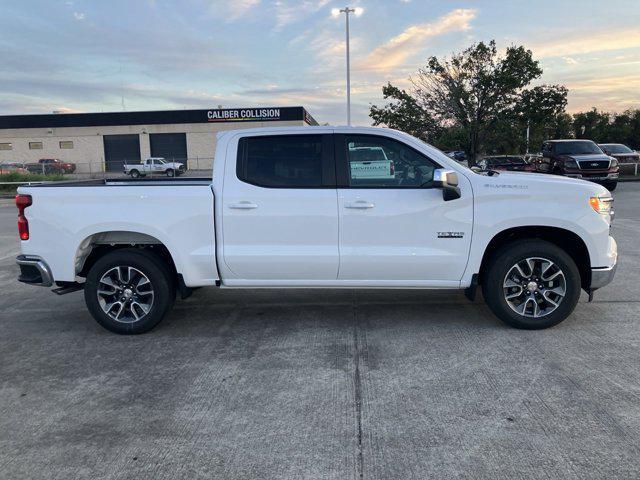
(357, 12)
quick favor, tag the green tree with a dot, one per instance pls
(593, 125)
(542, 110)
(477, 92)
(403, 113)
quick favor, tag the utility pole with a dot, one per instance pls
(357, 12)
(347, 11)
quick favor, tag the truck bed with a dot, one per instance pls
(126, 182)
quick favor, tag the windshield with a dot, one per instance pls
(616, 148)
(577, 148)
(459, 164)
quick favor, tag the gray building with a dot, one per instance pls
(98, 142)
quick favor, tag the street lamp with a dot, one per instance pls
(357, 12)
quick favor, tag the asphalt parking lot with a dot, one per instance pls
(322, 384)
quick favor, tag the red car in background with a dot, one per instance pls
(12, 167)
(620, 152)
(51, 165)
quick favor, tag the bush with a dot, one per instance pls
(24, 177)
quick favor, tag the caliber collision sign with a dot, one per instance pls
(243, 114)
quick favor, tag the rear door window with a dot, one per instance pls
(287, 161)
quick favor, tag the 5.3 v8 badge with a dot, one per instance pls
(450, 234)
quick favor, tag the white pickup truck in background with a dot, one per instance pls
(288, 208)
(154, 166)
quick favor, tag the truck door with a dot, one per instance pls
(398, 228)
(280, 214)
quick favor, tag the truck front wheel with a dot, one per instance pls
(129, 291)
(531, 284)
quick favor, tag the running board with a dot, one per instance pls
(67, 287)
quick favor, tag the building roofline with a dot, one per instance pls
(157, 117)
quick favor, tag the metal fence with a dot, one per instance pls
(196, 166)
(630, 167)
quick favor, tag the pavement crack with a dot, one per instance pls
(357, 394)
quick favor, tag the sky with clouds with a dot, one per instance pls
(82, 55)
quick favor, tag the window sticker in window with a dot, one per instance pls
(383, 162)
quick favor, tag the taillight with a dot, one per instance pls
(392, 169)
(22, 202)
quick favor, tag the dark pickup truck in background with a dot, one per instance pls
(51, 165)
(579, 159)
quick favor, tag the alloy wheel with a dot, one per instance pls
(125, 294)
(534, 287)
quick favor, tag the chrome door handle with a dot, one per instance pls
(243, 206)
(360, 204)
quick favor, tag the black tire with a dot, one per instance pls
(170, 173)
(500, 265)
(161, 282)
(134, 173)
(611, 186)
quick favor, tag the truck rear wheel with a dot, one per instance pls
(532, 284)
(129, 291)
(134, 173)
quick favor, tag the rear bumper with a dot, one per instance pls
(34, 271)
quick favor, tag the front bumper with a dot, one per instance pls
(593, 176)
(34, 271)
(601, 276)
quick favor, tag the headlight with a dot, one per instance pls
(571, 164)
(601, 204)
(614, 163)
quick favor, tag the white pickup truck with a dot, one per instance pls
(284, 210)
(154, 166)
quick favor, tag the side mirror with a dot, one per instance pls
(447, 180)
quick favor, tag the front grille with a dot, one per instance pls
(594, 164)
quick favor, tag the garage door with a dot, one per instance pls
(171, 146)
(119, 149)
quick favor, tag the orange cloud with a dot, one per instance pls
(398, 49)
(588, 42)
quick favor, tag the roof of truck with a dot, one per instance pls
(561, 140)
(306, 128)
